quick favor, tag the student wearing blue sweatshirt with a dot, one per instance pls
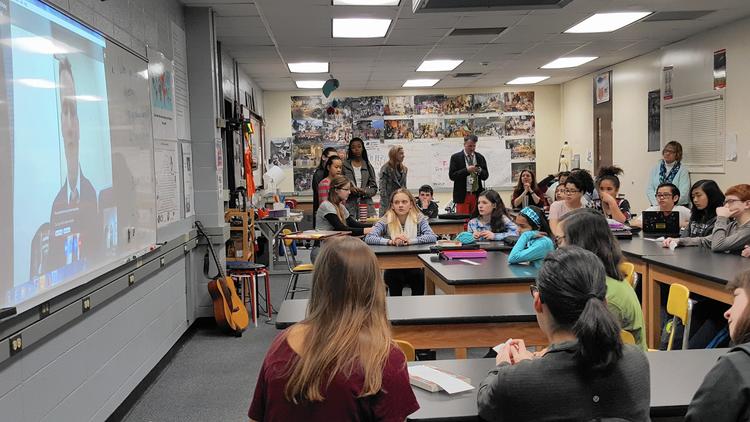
(534, 243)
(669, 170)
(491, 220)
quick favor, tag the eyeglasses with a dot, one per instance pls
(570, 191)
(730, 201)
(664, 195)
(533, 288)
(669, 151)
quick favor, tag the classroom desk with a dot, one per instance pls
(397, 257)
(449, 322)
(492, 275)
(700, 270)
(675, 376)
(444, 226)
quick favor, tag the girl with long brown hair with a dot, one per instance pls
(340, 362)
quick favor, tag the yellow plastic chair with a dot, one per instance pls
(628, 269)
(294, 267)
(408, 349)
(626, 337)
(680, 307)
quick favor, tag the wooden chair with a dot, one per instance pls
(408, 349)
(294, 267)
(628, 269)
(680, 306)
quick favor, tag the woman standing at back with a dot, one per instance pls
(586, 373)
(323, 370)
(359, 171)
(392, 176)
(669, 170)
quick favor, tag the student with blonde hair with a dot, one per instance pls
(403, 224)
(392, 176)
(340, 362)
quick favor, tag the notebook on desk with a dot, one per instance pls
(658, 224)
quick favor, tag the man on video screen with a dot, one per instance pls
(74, 211)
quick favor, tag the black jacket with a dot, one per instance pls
(724, 394)
(458, 173)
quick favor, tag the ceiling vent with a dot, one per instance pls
(686, 15)
(476, 31)
(467, 75)
(420, 6)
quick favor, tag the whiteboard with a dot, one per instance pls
(82, 187)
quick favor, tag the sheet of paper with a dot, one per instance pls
(731, 149)
(448, 383)
(469, 262)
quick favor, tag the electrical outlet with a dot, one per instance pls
(131, 279)
(86, 304)
(16, 344)
(44, 310)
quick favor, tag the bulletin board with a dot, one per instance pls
(429, 127)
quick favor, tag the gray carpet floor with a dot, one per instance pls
(212, 376)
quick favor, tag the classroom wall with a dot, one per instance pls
(692, 59)
(90, 366)
(277, 105)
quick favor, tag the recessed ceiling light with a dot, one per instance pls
(360, 28)
(527, 80)
(564, 62)
(438, 65)
(366, 2)
(412, 83)
(309, 67)
(606, 22)
(310, 84)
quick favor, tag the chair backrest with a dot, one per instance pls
(626, 337)
(408, 349)
(628, 269)
(679, 306)
(291, 260)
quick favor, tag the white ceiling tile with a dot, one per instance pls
(235, 9)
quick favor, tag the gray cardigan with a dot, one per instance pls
(390, 181)
(728, 236)
(725, 392)
(553, 385)
(369, 185)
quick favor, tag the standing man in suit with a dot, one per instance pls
(73, 235)
(468, 170)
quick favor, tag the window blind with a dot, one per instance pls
(699, 124)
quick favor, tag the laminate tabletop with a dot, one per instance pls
(675, 376)
(701, 262)
(436, 309)
(425, 248)
(494, 269)
(639, 247)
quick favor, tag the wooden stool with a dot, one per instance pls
(247, 274)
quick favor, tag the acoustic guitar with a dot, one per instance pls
(229, 311)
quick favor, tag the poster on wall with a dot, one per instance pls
(166, 160)
(668, 94)
(720, 69)
(187, 179)
(602, 88)
(654, 120)
(429, 127)
(161, 78)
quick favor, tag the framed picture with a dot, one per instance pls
(654, 120)
(602, 87)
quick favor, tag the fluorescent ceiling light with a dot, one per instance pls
(309, 67)
(564, 62)
(606, 22)
(527, 80)
(310, 84)
(360, 28)
(411, 83)
(438, 65)
(366, 2)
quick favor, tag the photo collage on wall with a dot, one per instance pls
(502, 121)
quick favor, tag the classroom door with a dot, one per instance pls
(602, 120)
